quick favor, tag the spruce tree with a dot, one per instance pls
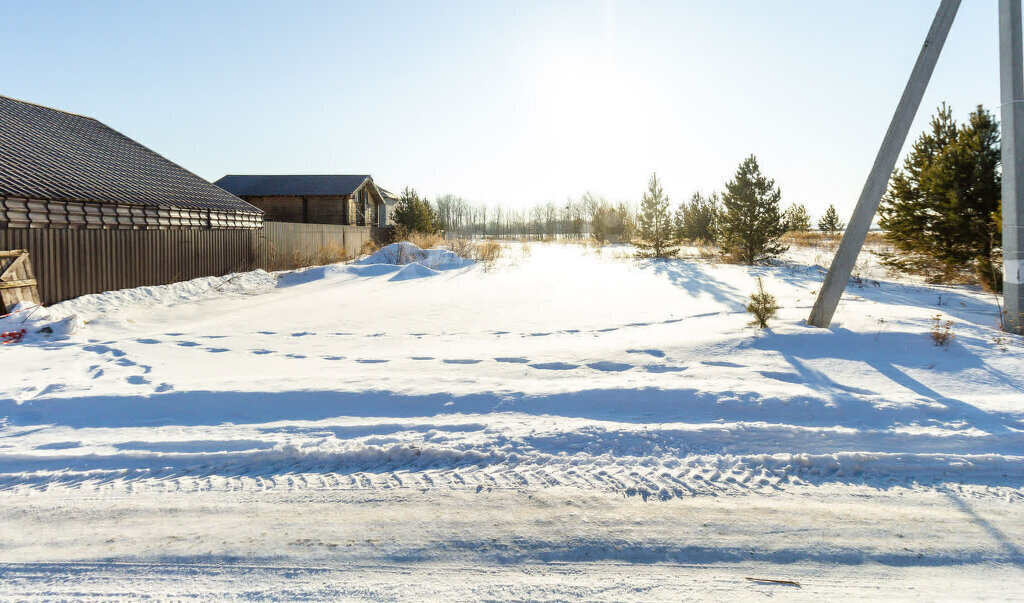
(656, 236)
(751, 223)
(796, 218)
(942, 209)
(830, 222)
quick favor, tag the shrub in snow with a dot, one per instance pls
(942, 331)
(763, 306)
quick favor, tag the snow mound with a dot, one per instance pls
(239, 283)
(31, 322)
(308, 275)
(404, 253)
(413, 270)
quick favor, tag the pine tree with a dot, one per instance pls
(830, 222)
(942, 209)
(796, 218)
(628, 220)
(698, 219)
(751, 223)
(654, 224)
(414, 214)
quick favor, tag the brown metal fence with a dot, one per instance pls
(71, 262)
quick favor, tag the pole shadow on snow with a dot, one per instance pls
(889, 354)
(1014, 554)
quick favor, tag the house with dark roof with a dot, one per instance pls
(353, 200)
(98, 211)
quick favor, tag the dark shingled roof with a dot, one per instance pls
(53, 155)
(290, 185)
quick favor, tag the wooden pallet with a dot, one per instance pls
(17, 280)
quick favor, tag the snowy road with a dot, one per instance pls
(567, 424)
(512, 543)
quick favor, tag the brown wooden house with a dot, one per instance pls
(352, 200)
(98, 211)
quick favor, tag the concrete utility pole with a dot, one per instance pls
(1011, 85)
(856, 231)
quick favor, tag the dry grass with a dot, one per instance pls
(486, 252)
(424, 240)
(369, 246)
(331, 253)
(461, 247)
(816, 239)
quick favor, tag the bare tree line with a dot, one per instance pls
(589, 215)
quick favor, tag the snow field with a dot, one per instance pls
(561, 379)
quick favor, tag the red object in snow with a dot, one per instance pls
(12, 336)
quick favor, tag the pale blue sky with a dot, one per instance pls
(503, 102)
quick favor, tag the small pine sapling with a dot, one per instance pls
(763, 306)
(942, 331)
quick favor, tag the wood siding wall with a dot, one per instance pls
(313, 209)
(34, 213)
(71, 262)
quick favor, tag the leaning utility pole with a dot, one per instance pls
(1011, 85)
(857, 230)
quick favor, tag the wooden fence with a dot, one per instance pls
(17, 279)
(283, 245)
(70, 262)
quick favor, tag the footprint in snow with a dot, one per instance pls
(301, 334)
(655, 353)
(722, 363)
(513, 360)
(137, 380)
(104, 349)
(216, 350)
(422, 357)
(555, 366)
(370, 360)
(188, 344)
(664, 368)
(147, 340)
(333, 357)
(610, 367)
(460, 361)
(261, 352)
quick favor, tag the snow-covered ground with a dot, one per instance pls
(567, 423)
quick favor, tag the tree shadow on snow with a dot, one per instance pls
(697, 280)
